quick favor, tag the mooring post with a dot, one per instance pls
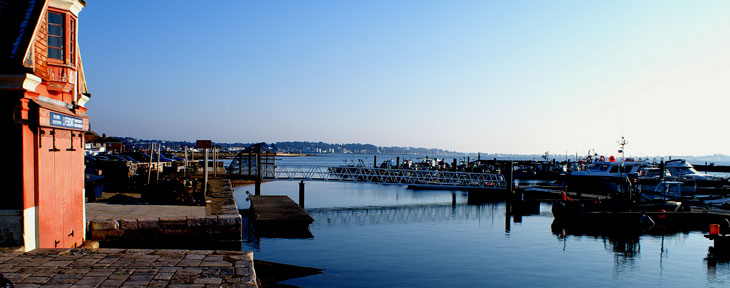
(453, 164)
(301, 194)
(397, 162)
(149, 167)
(507, 216)
(453, 199)
(467, 162)
(375, 161)
(511, 184)
(215, 163)
(205, 172)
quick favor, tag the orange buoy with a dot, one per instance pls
(714, 229)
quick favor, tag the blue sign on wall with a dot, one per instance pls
(60, 120)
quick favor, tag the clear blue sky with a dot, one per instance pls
(470, 76)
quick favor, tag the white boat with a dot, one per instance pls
(681, 169)
(612, 169)
(605, 177)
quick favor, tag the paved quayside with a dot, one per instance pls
(129, 267)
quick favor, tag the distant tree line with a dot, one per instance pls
(293, 147)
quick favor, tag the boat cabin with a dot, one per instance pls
(612, 169)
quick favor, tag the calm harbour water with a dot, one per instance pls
(386, 235)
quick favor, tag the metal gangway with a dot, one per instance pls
(416, 178)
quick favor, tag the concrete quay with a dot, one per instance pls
(215, 226)
(129, 268)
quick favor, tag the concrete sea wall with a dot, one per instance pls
(220, 228)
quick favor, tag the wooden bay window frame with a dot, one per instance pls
(61, 32)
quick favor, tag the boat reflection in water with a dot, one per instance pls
(387, 234)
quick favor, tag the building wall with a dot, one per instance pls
(41, 49)
(43, 203)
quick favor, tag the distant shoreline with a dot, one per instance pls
(292, 154)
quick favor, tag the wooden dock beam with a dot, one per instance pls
(279, 217)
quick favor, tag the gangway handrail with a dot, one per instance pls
(384, 175)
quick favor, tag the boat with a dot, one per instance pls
(681, 170)
(603, 177)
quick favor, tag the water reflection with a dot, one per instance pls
(384, 215)
(483, 244)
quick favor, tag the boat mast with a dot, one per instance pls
(621, 166)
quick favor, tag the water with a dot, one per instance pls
(386, 235)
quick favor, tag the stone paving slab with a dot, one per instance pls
(128, 267)
(104, 211)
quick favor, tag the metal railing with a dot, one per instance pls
(384, 175)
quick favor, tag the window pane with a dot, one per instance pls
(55, 53)
(55, 42)
(55, 30)
(55, 18)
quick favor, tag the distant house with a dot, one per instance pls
(91, 147)
(42, 97)
(103, 144)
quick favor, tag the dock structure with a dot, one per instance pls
(420, 178)
(279, 216)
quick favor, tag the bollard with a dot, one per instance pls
(375, 161)
(301, 194)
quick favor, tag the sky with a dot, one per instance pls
(521, 77)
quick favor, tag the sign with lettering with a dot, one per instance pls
(204, 144)
(65, 121)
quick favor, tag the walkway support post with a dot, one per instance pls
(301, 194)
(258, 171)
